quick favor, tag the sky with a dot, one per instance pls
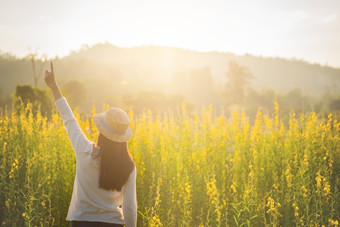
(307, 30)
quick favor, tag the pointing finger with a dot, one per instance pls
(52, 71)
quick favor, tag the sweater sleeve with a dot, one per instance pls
(77, 137)
(130, 201)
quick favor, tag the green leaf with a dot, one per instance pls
(255, 216)
(235, 220)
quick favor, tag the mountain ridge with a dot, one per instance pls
(269, 72)
(159, 64)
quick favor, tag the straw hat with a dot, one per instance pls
(114, 124)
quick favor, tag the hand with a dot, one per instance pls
(50, 78)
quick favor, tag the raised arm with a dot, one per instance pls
(52, 83)
(78, 139)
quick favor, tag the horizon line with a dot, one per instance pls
(84, 47)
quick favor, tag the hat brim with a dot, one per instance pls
(97, 119)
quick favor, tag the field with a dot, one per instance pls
(192, 169)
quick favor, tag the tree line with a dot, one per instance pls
(195, 88)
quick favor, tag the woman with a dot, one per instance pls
(104, 191)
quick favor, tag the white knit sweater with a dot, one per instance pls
(89, 202)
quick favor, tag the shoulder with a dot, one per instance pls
(88, 148)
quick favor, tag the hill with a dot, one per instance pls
(106, 69)
(279, 74)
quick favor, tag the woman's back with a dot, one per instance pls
(89, 202)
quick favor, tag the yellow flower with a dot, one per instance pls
(251, 174)
(155, 221)
(327, 189)
(304, 190)
(333, 222)
(318, 179)
(187, 188)
(296, 209)
(211, 189)
(289, 177)
(7, 203)
(233, 188)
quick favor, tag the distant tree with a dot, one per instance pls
(5, 101)
(36, 75)
(296, 101)
(334, 105)
(238, 77)
(263, 99)
(294, 98)
(75, 92)
(38, 97)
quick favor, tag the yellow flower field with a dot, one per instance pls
(192, 169)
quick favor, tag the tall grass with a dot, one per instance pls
(192, 170)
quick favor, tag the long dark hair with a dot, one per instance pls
(116, 164)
